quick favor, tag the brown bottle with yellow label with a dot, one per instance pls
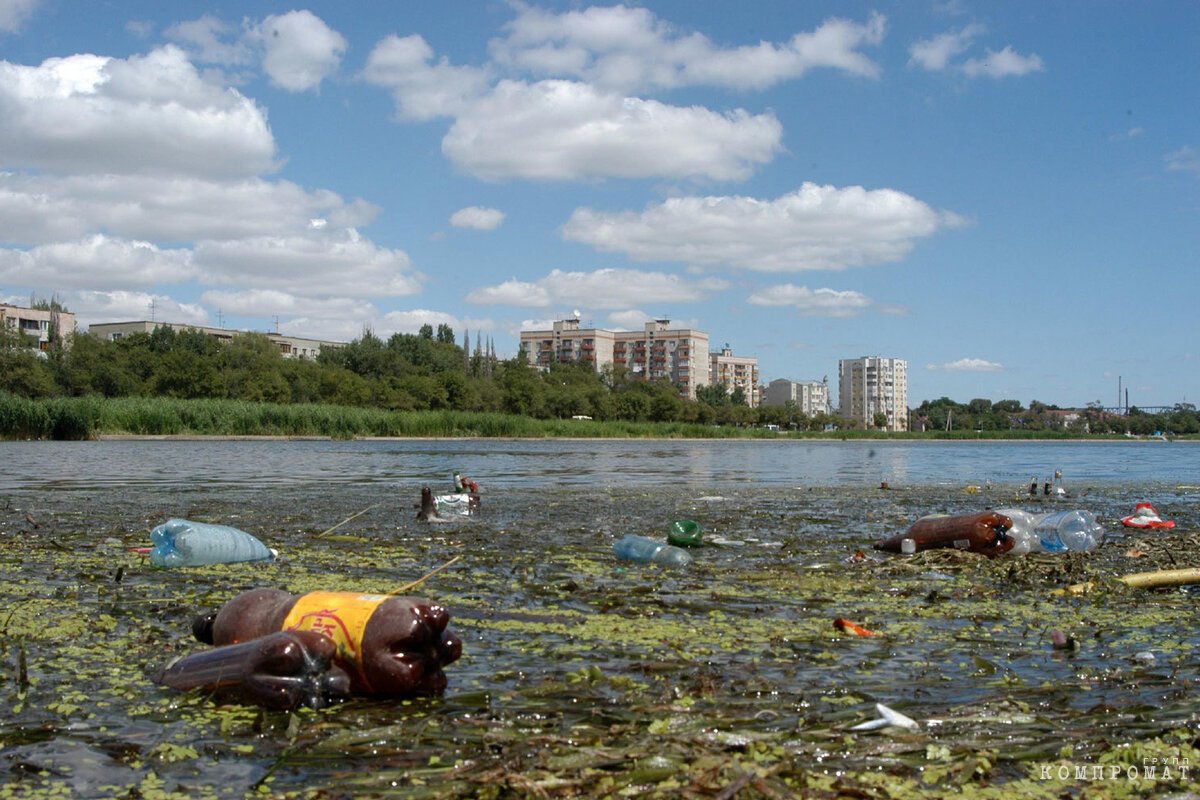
(388, 645)
(984, 532)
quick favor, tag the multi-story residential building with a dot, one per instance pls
(289, 346)
(735, 372)
(871, 384)
(39, 326)
(679, 355)
(811, 397)
(566, 343)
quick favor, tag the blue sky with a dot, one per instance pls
(1005, 195)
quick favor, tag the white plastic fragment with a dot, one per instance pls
(887, 718)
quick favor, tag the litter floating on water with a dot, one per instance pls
(887, 718)
(1146, 516)
(846, 625)
(684, 533)
(183, 543)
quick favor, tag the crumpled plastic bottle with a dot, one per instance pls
(645, 550)
(184, 543)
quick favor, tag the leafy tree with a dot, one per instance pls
(880, 420)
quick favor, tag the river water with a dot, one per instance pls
(526, 464)
(582, 675)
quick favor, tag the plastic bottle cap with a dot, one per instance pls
(908, 546)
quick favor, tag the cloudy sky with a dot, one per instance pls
(1005, 195)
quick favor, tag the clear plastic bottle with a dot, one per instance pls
(1076, 531)
(1023, 530)
(645, 550)
(183, 543)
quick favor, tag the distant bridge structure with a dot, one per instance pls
(1124, 410)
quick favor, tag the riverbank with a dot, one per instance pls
(80, 418)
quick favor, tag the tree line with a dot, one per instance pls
(430, 371)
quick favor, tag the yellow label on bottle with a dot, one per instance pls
(342, 616)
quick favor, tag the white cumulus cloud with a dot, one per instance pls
(1003, 64)
(815, 227)
(38, 208)
(968, 365)
(812, 302)
(629, 49)
(477, 218)
(97, 262)
(299, 50)
(422, 89)
(144, 114)
(563, 130)
(603, 288)
(14, 13)
(322, 262)
(934, 53)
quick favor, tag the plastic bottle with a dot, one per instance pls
(985, 532)
(1023, 531)
(284, 671)
(645, 551)
(684, 533)
(388, 645)
(1076, 531)
(183, 543)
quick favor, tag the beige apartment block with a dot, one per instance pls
(679, 355)
(872, 384)
(38, 326)
(810, 397)
(566, 343)
(735, 372)
(289, 346)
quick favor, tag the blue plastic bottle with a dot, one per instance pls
(183, 543)
(645, 551)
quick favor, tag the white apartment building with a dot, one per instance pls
(289, 346)
(735, 372)
(38, 326)
(657, 351)
(872, 384)
(810, 397)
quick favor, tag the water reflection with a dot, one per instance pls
(542, 463)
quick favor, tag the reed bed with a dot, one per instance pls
(74, 418)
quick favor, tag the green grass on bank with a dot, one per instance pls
(78, 418)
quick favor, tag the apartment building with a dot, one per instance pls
(289, 346)
(679, 355)
(565, 343)
(810, 397)
(871, 384)
(735, 372)
(39, 326)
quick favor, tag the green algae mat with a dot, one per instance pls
(582, 676)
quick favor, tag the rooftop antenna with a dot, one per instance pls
(220, 318)
(277, 324)
(152, 309)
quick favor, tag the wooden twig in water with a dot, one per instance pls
(347, 519)
(424, 578)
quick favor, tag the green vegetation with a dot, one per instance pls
(168, 382)
(583, 676)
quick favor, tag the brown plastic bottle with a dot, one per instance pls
(983, 532)
(284, 670)
(388, 645)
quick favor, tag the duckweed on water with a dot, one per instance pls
(583, 676)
